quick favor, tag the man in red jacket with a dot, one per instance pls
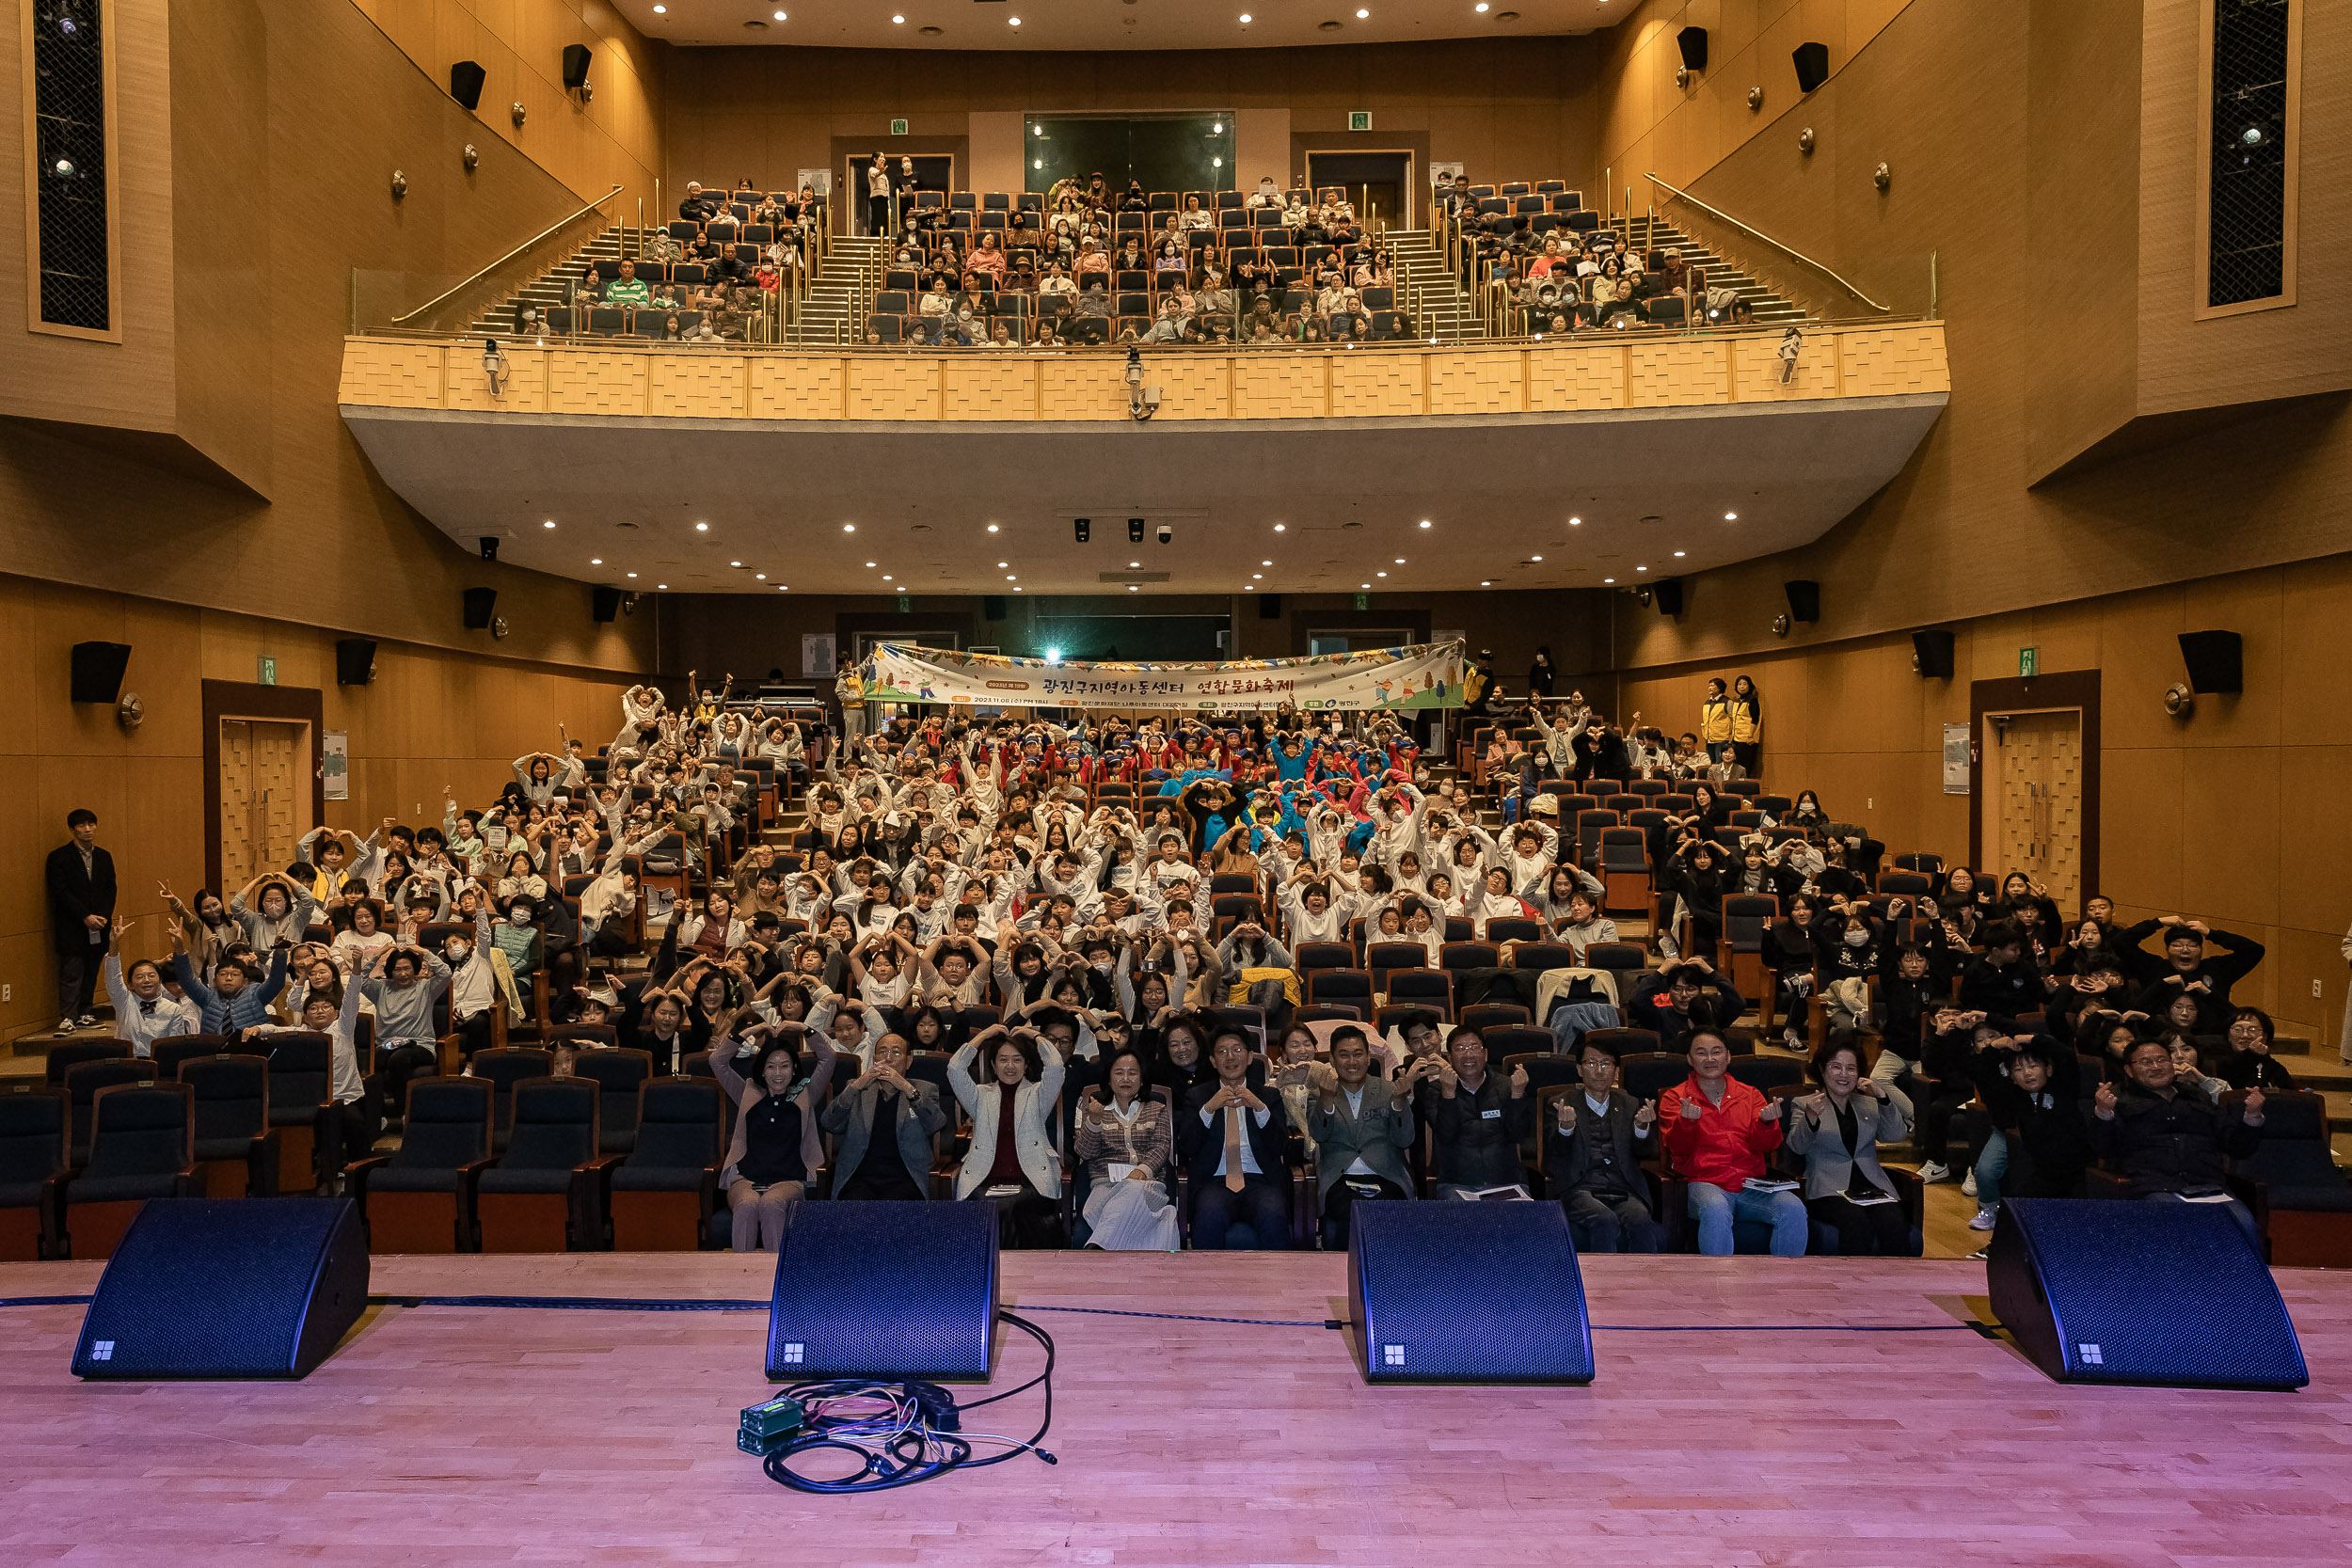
(1719, 1129)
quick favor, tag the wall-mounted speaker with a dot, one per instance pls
(1692, 43)
(98, 670)
(355, 660)
(464, 83)
(1269, 607)
(1669, 594)
(1812, 65)
(1805, 601)
(479, 602)
(992, 606)
(2216, 660)
(576, 58)
(1931, 655)
(604, 603)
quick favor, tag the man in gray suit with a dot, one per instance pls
(1362, 1128)
(1594, 1156)
(885, 1124)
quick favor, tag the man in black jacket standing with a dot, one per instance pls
(81, 878)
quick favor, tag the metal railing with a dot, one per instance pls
(1821, 267)
(547, 233)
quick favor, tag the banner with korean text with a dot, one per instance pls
(1428, 675)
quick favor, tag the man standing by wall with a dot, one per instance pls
(81, 878)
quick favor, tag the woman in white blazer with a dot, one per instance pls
(1012, 1161)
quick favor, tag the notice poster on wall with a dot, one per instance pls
(1956, 759)
(815, 653)
(335, 763)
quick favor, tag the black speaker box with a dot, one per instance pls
(1669, 595)
(1269, 607)
(225, 1289)
(1467, 1292)
(576, 58)
(2216, 660)
(1692, 43)
(1931, 654)
(992, 606)
(605, 603)
(98, 670)
(885, 1291)
(355, 660)
(479, 602)
(1812, 65)
(1805, 600)
(2170, 1294)
(464, 83)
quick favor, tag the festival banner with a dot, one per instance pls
(1427, 676)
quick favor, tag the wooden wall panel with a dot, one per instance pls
(794, 389)
(431, 718)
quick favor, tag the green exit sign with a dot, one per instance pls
(898, 127)
(906, 605)
(1359, 119)
(1363, 601)
(2029, 662)
(265, 671)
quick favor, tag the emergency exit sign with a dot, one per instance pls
(1363, 601)
(2029, 662)
(1359, 119)
(898, 127)
(906, 605)
(266, 669)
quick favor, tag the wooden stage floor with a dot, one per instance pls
(1763, 1427)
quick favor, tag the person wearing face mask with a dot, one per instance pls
(144, 1011)
(479, 981)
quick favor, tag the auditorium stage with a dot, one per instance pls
(1765, 1425)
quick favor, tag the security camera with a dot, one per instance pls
(489, 546)
(1167, 534)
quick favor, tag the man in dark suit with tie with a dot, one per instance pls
(1235, 1144)
(81, 878)
(1593, 1154)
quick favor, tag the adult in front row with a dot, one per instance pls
(1719, 1131)
(1593, 1154)
(2170, 1144)
(1011, 1160)
(885, 1125)
(1236, 1143)
(1839, 1129)
(775, 1143)
(1361, 1127)
(1127, 1142)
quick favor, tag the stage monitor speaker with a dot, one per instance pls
(992, 606)
(1805, 601)
(2167, 1294)
(2216, 660)
(478, 604)
(1269, 607)
(1692, 43)
(888, 1290)
(576, 58)
(98, 670)
(226, 1290)
(1669, 594)
(355, 660)
(1931, 654)
(464, 83)
(605, 603)
(1467, 1292)
(1812, 65)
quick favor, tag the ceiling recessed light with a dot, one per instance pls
(1731, 517)
(1265, 563)
(1362, 14)
(660, 10)
(760, 575)
(784, 588)
(662, 587)
(1400, 561)
(1135, 563)
(1131, 588)
(991, 527)
(1535, 558)
(1013, 22)
(1608, 580)
(1480, 7)
(1247, 589)
(735, 564)
(1280, 527)
(632, 574)
(1002, 564)
(1245, 16)
(781, 17)
(897, 20)
(1641, 568)
(869, 566)
(596, 561)
(1575, 521)
(1020, 590)
(1008, 576)
(1424, 522)
(1486, 584)
(1257, 577)
(1363, 585)
(1379, 574)
(885, 576)
(701, 527)
(1677, 555)
(549, 523)
(849, 528)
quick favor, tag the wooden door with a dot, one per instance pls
(264, 795)
(2037, 800)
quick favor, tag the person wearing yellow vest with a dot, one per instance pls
(1715, 721)
(1747, 726)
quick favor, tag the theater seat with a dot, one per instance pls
(665, 1194)
(33, 1123)
(237, 1148)
(142, 1145)
(546, 1193)
(421, 1197)
(2292, 1183)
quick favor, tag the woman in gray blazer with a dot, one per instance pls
(1837, 1130)
(1361, 1127)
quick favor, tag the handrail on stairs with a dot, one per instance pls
(1776, 245)
(535, 239)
